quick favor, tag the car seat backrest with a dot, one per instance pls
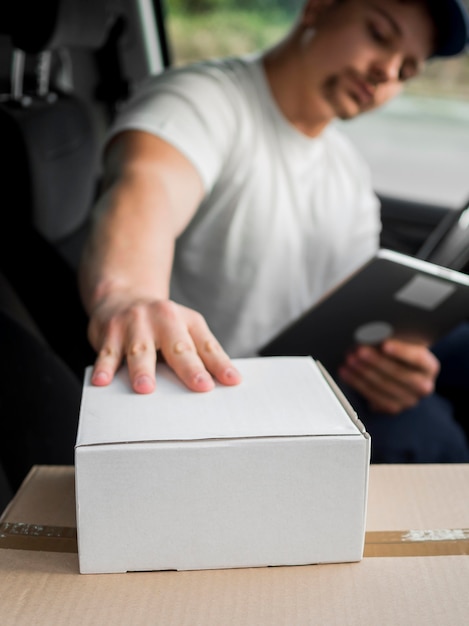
(50, 140)
(62, 79)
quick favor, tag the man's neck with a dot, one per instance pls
(301, 104)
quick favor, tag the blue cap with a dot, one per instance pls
(452, 22)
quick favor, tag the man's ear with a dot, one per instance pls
(312, 10)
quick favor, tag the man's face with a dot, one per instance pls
(365, 51)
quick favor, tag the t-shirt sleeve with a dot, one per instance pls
(194, 111)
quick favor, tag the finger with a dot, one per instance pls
(180, 354)
(397, 374)
(140, 352)
(371, 374)
(141, 362)
(215, 359)
(191, 349)
(177, 347)
(417, 356)
(108, 345)
(380, 396)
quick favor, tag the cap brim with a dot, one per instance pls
(456, 39)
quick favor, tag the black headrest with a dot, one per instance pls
(37, 25)
(53, 151)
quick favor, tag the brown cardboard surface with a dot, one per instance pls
(418, 496)
(47, 496)
(406, 499)
(45, 588)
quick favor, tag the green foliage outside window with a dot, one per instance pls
(201, 29)
(201, 6)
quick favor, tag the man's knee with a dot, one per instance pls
(427, 433)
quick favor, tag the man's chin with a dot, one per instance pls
(348, 111)
(348, 108)
(348, 115)
(342, 103)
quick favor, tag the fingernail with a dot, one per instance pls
(100, 378)
(202, 378)
(232, 373)
(203, 382)
(144, 384)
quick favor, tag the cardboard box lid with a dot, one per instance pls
(279, 396)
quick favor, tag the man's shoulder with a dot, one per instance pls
(211, 72)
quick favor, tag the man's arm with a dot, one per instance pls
(150, 193)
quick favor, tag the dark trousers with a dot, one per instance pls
(435, 430)
(44, 353)
(39, 406)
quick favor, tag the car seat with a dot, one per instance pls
(50, 142)
(61, 81)
(50, 137)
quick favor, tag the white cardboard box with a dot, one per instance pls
(271, 472)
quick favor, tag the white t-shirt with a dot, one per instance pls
(284, 216)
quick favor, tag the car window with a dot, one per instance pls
(417, 146)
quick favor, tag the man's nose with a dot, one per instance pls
(386, 69)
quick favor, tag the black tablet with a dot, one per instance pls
(392, 295)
